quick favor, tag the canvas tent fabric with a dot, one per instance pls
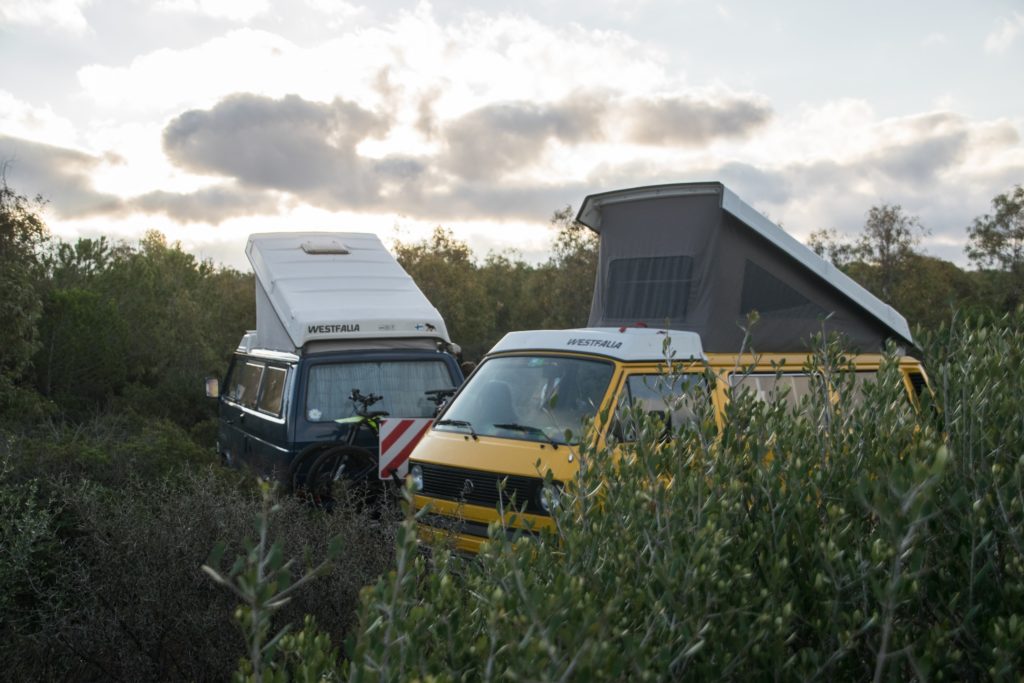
(695, 257)
(316, 287)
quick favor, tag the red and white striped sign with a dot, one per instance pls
(398, 436)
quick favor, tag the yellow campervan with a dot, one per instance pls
(528, 399)
(682, 269)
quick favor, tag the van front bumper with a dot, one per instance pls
(468, 525)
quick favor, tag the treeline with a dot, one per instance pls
(94, 326)
(482, 300)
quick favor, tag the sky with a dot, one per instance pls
(209, 120)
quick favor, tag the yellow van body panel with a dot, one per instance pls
(493, 454)
(467, 523)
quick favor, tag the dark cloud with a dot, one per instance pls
(62, 176)
(692, 122)
(209, 205)
(291, 144)
(920, 161)
(494, 140)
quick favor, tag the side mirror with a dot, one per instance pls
(212, 387)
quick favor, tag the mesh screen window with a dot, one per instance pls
(653, 288)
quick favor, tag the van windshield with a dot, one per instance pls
(532, 398)
(402, 384)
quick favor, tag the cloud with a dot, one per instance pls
(62, 176)
(337, 12)
(63, 15)
(232, 10)
(242, 60)
(690, 121)
(290, 144)
(22, 120)
(1004, 36)
(208, 205)
(463, 65)
(502, 138)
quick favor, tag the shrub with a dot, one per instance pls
(140, 608)
(846, 540)
(109, 450)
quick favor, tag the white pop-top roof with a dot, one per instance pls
(334, 285)
(625, 344)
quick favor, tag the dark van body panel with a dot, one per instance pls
(252, 434)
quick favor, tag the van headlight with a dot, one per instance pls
(550, 497)
(416, 474)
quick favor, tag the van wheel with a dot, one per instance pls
(350, 463)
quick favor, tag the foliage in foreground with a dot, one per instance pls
(871, 542)
(102, 536)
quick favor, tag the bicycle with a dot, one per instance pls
(315, 478)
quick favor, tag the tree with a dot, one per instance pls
(996, 246)
(22, 235)
(888, 242)
(832, 246)
(443, 267)
(566, 281)
(997, 239)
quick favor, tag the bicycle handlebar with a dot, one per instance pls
(366, 400)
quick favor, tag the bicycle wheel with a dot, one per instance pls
(351, 463)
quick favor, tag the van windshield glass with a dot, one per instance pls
(531, 398)
(401, 383)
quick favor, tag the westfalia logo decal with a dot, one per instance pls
(604, 343)
(332, 329)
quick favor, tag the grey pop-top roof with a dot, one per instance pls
(332, 286)
(694, 256)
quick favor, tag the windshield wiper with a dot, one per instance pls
(528, 429)
(458, 423)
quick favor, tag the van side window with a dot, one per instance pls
(672, 398)
(769, 386)
(860, 380)
(245, 384)
(273, 391)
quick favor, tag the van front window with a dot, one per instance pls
(533, 398)
(402, 384)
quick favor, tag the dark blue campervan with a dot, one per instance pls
(344, 338)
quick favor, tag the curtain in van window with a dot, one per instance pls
(401, 383)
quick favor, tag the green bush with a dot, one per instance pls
(866, 542)
(109, 450)
(133, 603)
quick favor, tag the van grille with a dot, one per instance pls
(481, 488)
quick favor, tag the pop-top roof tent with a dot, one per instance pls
(695, 257)
(340, 287)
